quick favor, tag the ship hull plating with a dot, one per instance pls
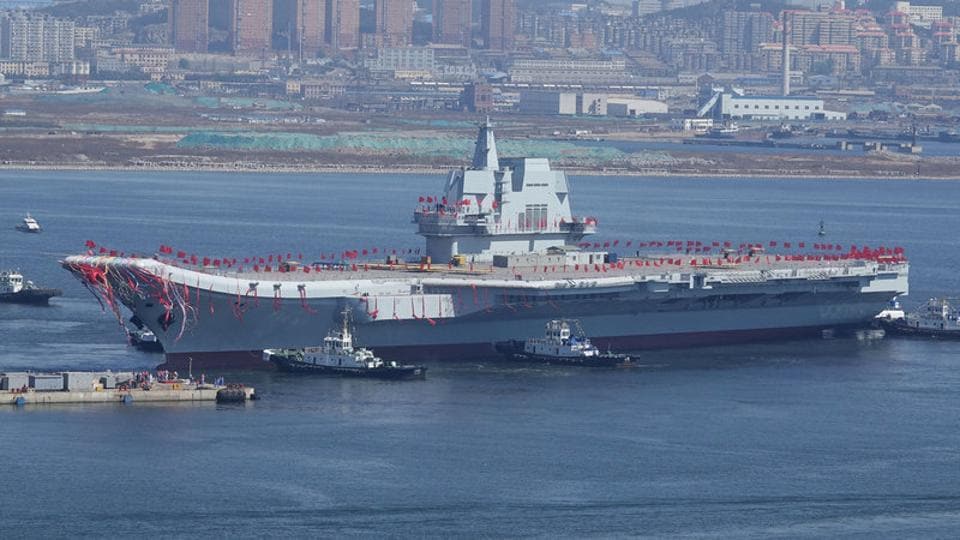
(621, 326)
(36, 297)
(253, 360)
(901, 327)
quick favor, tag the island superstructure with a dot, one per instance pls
(500, 207)
(504, 257)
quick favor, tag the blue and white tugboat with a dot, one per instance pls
(564, 343)
(338, 356)
(938, 318)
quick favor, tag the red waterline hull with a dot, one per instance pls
(250, 360)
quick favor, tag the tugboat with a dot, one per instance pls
(14, 290)
(338, 356)
(564, 343)
(938, 318)
(29, 225)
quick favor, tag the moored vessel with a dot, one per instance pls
(338, 356)
(15, 290)
(504, 254)
(564, 342)
(725, 131)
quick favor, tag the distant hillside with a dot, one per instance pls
(714, 8)
(83, 8)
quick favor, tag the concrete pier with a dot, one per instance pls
(183, 392)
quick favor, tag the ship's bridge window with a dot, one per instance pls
(534, 218)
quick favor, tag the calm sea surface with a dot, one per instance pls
(831, 438)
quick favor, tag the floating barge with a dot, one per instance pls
(85, 387)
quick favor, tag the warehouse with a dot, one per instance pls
(774, 108)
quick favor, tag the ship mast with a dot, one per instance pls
(485, 156)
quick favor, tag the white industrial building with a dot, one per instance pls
(775, 108)
(628, 106)
(727, 104)
(538, 102)
(587, 103)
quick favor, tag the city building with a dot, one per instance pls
(923, 16)
(32, 37)
(819, 28)
(149, 60)
(477, 97)
(452, 20)
(305, 23)
(641, 8)
(343, 24)
(745, 31)
(85, 36)
(188, 22)
(25, 69)
(390, 60)
(497, 24)
(813, 59)
(252, 26)
(394, 22)
(454, 64)
(569, 71)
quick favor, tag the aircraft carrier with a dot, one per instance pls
(504, 254)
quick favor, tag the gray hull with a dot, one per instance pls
(219, 318)
(627, 322)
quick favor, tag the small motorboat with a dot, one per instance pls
(564, 342)
(145, 340)
(29, 225)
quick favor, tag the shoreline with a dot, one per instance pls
(358, 169)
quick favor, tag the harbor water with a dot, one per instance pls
(836, 437)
